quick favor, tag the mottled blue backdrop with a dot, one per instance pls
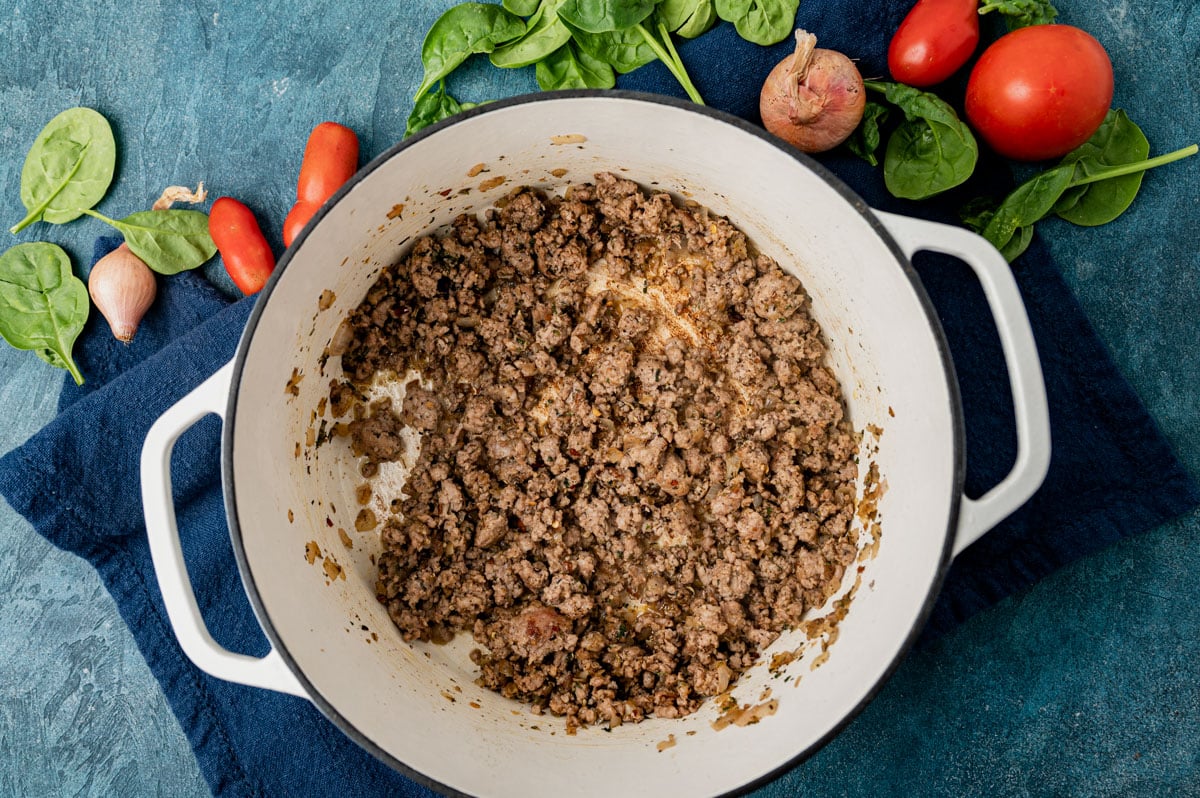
(1087, 684)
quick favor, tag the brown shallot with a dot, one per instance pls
(122, 287)
(814, 98)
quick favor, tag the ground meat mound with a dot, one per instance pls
(635, 470)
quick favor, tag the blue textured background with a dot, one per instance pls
(1088, 684)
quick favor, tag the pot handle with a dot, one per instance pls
(166, 551)
(977, 516)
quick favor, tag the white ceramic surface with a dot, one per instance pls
(413, 704)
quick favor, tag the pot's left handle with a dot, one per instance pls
(269, 672)
(1030, 408)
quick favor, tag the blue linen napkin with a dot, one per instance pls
(1112, 475)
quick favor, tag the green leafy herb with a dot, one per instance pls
(544, 34)
(623, 50)
(522, 8)
(603, 16)
(760, 21)
(43, 306)
(68, 168)
(459, 33)
(568, 68)
(1118, 141)
(434, 107)
(1100, 166)
(169, 241)
(1021, 13)
(866, 137)
(1029, 202)
(931, 151)
(687, 18)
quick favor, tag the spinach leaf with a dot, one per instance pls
(434, 107)
(43, 306)
(623, 50)
(462, 31)
(1117, 141)
(1021, 209)
(169, 241)
(687, 18)
(522, 8)
(760, 21)
(864, 141)
(603, 16)
(68, 168)
(567, 68)
(931, 151)
(545, 33)
(1021, 13)
(1089, 185)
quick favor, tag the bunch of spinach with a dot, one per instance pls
(1091, 186)
(67, 171)
(929, 152)
(43, 305)
(580, 44)
(1021, 13)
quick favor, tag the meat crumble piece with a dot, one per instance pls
(635, 469)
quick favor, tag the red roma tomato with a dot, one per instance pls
(1040, 92)
(934, 40)
(247, 256)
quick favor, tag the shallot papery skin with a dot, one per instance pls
(122, 288)
(814, 98)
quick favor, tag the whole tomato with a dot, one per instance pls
(934, 40)
(1040, 92)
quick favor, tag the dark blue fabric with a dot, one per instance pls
(1112, 473)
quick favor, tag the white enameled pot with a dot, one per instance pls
(393, 698)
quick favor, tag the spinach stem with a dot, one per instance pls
(673, 64)
(99, 216)
(1137, 166)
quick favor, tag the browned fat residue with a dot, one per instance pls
(291, 516)
(568, 138)
(293, 383)
(326, 300)
(492, 182)
(474, 705)
(663, 745)
(312, 551)
(782, 659)
(333, 570)
(310, 436)
(766, 693)
(560, 172)
(345, 538)
(397, 211)
(362, 494)
(366, 520)
(299, 449)
(448, 696)
(746, 714)
(476, 169)
(321, 405)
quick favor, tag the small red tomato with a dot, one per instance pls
(247, 256)
(1040, 92)
(330, 159)
(297, 217)
(934, 41)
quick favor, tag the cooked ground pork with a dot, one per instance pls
(635, 470)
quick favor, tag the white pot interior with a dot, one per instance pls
(418, 703)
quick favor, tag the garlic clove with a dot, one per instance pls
(122, 288)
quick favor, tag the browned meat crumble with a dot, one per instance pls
(635, 470)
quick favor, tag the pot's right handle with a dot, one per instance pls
(977, 516)
(166, 551)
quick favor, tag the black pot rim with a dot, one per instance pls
(229, 482)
